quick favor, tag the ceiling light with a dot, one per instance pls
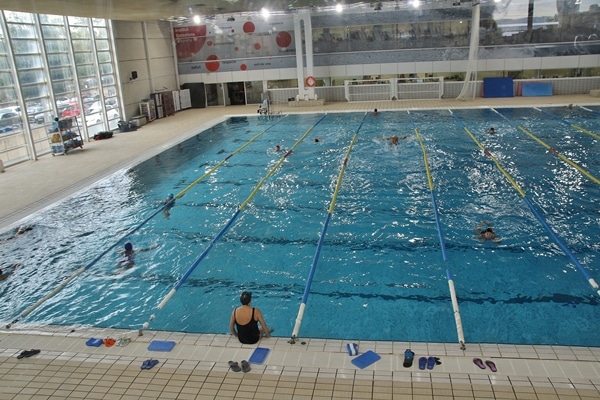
(265, 13)
(196, 19)
(339, 7)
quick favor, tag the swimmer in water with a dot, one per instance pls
(395, 139)
(127, 259)
(485, 232)
(168, 202)
(127, 256)
(5, 272)
(20, 231)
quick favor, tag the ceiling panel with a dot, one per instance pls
(147, 10)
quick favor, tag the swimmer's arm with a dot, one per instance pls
(232, 324)
(262, 322)
(152, 247)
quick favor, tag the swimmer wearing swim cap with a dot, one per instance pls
(485, 231)
(127, 257)
(169, 202)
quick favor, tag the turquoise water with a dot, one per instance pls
(380, 274)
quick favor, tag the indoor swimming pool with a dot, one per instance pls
(271, 204)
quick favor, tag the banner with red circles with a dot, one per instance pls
(235, 46)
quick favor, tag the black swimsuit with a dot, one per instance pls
(249, 333)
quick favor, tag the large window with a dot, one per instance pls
(53, 67)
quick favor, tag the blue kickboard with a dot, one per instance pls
(259, 355)
(366, 359)
(161, 345)
(94, 342)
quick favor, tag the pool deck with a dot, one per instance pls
(197, 367)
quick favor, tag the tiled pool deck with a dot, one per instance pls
(197, 367)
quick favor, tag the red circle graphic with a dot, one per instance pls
(212, 65)
(283, 39)
(249, 27)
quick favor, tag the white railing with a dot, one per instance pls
(394, 89)
(368, 90)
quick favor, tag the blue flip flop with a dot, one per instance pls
(422, 362)
(430, 362)
(148, 364)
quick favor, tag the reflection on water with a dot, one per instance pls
(380, 262)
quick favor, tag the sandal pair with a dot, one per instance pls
(235, 367)
(148, 364)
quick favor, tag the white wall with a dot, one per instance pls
(144, 47)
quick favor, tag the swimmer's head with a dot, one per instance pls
(170, 196)
(128, 246)
(246, 298)
(277, 147)
(488, 234)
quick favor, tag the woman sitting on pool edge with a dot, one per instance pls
(244, 322)
(485, 231)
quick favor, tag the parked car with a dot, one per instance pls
(34, 114)
(9, 120)
(93, 117)
(71, 110)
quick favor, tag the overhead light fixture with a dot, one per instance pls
(339, 7)
(196, 19)
(265, 13)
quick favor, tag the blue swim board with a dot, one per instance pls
(161, 345)
(259, 355)
(366, 359)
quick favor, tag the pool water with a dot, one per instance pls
(380, 274)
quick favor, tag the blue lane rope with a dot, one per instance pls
(83, 269)
(449, 276)
(228, 225)
(313, 266)
(131, 232)
(553, 150)
(579, 128)
(539, 217)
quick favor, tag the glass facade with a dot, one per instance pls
(53, 67)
